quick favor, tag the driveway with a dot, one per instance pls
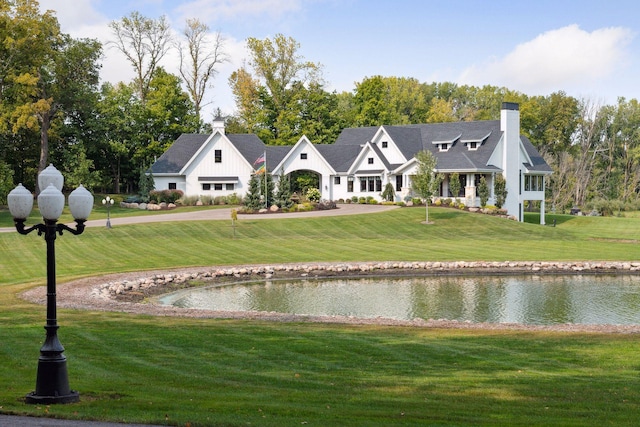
(225, 214)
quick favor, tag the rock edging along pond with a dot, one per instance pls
(155, 282)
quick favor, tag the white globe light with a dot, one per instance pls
(80, 203)
(48, 176)
(20, 201)
(51, 203)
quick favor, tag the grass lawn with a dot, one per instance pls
(199, 372)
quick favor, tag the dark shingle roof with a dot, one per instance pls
(409, 138)
(339, 157)
(275, 154)
(181, 151)
(539, 164)
(356, 136)
(249, 145)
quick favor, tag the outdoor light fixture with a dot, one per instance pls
(108, 201)
(52, 383)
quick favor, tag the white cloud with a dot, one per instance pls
(557, 59)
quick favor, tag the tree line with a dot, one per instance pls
(54, 109)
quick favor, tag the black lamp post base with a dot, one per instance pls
(33, 398)
(52, 383)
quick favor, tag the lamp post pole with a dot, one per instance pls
(108, 201)
(52, 383)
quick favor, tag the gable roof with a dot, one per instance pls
(179, 153)
(538, 164)
(352, 141)
(248, 145)
(339, 157)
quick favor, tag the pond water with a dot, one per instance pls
(536, 300)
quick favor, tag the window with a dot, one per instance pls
(444, 147)
(172, 186)
(370, 160)
(370, 183)
(303, 156)
(229, 187)
(217, 154)
(217, 187)
(384, 144)
(336, 180)
(398, 182)
(350, 185)
(206, 187)
(533, 183)
(473, 145)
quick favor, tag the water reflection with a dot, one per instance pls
(540, 300)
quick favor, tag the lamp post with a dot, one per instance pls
(108, 201)
(52, 383)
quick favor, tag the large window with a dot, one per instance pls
(370, 183)
(533, 183)
(398, 182)
(350, 185)
(217, 187)
(217, 154)
(229, 187)
(206, 187)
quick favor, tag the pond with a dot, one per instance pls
(527, 299)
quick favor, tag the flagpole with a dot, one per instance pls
(266, 193)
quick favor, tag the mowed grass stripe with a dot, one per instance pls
(206, 372)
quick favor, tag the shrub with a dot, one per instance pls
(220, 200)
(305, 207)
(234, 199)
(354, 199)
(362, 200)
(188, 200)
(388, 194)
(326, 205)
(313, 195)
(416, 201)
(167, 196)
(438, 202)
(206, 200)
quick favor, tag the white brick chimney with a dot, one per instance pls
(510, 126)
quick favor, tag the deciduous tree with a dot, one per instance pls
(200, 55)
(144, 42)
(425, 182)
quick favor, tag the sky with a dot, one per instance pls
(587, 48)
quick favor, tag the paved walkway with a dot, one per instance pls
(201, 215)
(225, 214)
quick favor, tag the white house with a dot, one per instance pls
(363, 160)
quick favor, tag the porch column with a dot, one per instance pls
(542, 212)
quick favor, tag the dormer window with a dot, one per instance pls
(445, 144)
(474, 142)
